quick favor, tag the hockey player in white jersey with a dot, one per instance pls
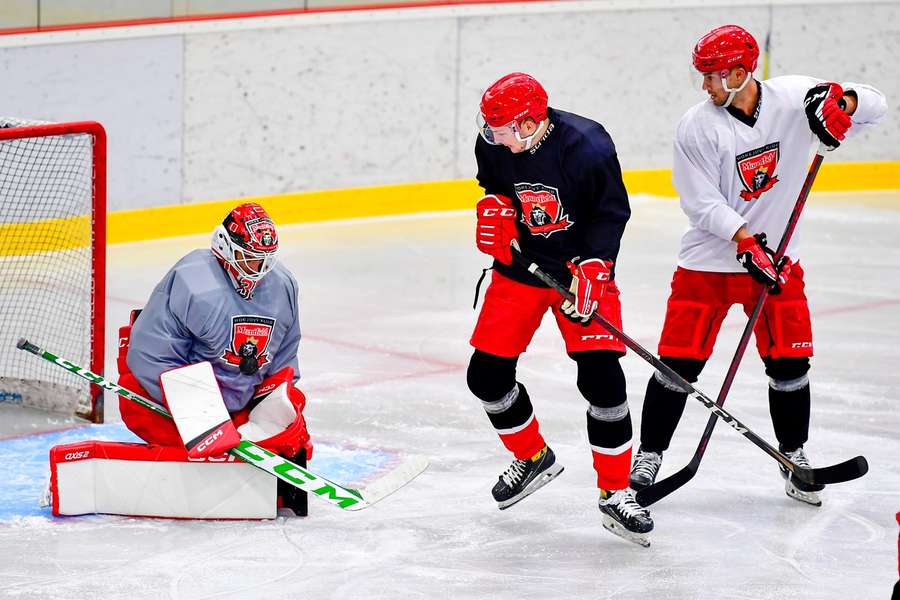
(740, 161)
(234, 306)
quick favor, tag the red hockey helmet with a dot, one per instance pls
(725, 47)
(512, 98)
(246, 243)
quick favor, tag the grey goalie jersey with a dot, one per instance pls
(194, 314)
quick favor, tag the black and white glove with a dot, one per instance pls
(824, 105)
(755, 256)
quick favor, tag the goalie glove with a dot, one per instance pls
(755, 256)
(589, 280)
(496, 227)
(824, 106)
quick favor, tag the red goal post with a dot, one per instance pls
(52, 260)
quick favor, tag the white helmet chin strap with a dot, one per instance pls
(733, 92)
(528, 140)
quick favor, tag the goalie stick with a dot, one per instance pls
(343, 497)
(845, 471)
(662, 488)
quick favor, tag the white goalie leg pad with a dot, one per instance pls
(155, 481)
(271, 416)
(198, 409)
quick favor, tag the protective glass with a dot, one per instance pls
(497, 136)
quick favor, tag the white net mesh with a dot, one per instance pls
(46, 273)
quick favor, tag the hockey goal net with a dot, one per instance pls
(52, 261)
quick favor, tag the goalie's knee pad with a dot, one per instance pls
(600, 377)
(491, 377)
(688, 368)
(787, 374)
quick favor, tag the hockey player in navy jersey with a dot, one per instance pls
(740, 162)
(552, 181)
(236, 307)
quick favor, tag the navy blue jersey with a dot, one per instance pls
(568, 193)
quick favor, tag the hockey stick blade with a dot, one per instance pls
(839, 473)
(657, 491)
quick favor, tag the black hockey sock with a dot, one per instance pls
(789, 400)
(790, 416)
(493, 381)
(602, 383)
(664, 404)
(659, 418)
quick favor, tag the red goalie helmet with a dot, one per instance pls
(512, 98)
(246, 243)
(725, 47)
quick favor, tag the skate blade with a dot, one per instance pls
(536, 484)
(810, 498)
(613, 526)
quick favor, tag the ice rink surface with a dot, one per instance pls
(386, 316)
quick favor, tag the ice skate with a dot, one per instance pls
(524, 477)
(794, 487)
(623, 516)
(645, 468)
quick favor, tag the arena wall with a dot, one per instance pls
(357, 105)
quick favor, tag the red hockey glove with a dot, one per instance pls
(755, 256)
(824, 109)
(496, 227)
(589, 280)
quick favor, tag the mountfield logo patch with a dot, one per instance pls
(542, 211)
(756, 169)
(249, 339)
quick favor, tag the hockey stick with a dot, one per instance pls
(277, 466)
(664, 487)
(845, 471)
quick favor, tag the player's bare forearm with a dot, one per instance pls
(851, 102)
(740, 234)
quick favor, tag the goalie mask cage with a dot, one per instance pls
(52, 261)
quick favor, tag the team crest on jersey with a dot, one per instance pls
(541, 209)
(250, 336)
(756, 169)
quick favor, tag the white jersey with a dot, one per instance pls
(731, 173)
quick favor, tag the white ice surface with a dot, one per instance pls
(386, 315)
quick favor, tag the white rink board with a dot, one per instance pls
(134, 88)
(221, 109)
(386, 315)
